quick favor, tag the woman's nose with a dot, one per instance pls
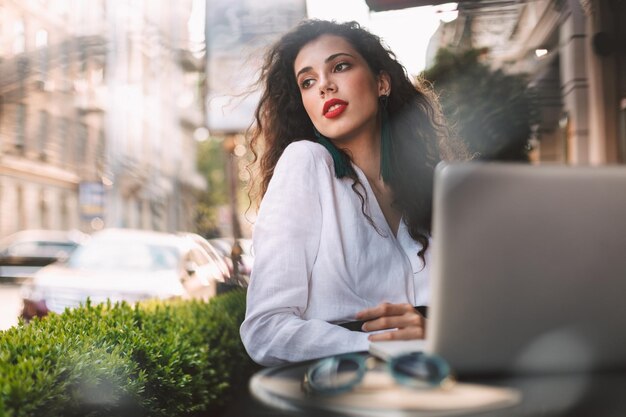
(327, 85)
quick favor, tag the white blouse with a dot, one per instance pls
(319, 261)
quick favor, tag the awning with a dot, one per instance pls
(383, 5)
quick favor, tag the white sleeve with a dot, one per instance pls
(286, 242)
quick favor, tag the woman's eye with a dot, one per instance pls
(342, 66)
(306, 83)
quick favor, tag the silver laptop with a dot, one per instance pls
(529, 268)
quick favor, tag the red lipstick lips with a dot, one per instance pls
(334, 107)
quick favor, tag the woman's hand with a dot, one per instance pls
(407, 322)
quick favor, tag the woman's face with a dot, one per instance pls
(339, 91)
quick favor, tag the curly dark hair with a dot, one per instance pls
(420, 136)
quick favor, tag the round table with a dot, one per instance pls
(378, 395)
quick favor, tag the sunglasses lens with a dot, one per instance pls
(335, 375)
(419, 369)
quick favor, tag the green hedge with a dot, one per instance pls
(176, 359)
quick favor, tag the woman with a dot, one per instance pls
(349, 147)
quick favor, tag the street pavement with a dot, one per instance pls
(10, 305)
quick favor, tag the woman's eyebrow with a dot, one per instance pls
(333, 56)
(305, 69)
(326, 61)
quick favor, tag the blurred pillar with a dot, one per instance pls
(603, 55)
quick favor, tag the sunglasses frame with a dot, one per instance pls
(443, 377)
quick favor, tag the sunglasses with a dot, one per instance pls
(341, 373)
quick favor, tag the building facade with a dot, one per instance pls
(98, 104)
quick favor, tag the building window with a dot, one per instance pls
(64, 140)
(41, 38)
(64, 57)
(20, 127)
(43, 210)
(23, 67)
(21, 214)
(101, 151)
(82, 138)
(65, 216)
(19, 37)
(41, 43)
(42, 136)
(83, 59)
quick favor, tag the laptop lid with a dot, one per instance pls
(529, 268)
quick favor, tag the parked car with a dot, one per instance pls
(25, 252)
(225, 245)
(124, 264)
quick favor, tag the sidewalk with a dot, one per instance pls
(10, 305)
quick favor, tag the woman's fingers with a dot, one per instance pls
(408, 324)
(402, 317)
(384, 309)
(407, 319)
(408, 333)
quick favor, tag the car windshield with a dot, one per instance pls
(125, 256)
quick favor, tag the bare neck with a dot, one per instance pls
(365, 153)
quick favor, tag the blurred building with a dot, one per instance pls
(573, 54)
(98, 104)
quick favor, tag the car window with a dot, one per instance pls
(125, 255)
(55, 249)
(165, 257)
(44, 249)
